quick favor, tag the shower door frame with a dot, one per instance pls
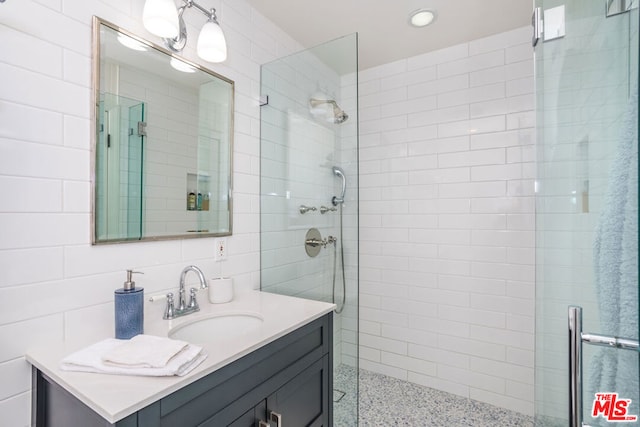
(296, 190)
(576, 337)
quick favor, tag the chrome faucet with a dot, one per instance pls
(183, 308)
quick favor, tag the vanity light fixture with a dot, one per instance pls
(161, 18)
(421, 17)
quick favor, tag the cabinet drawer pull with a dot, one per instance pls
(276, 417)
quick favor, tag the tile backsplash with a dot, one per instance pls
(52, 279)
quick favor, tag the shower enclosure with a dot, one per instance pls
(309, 194)
(119, 165)
(587, 214)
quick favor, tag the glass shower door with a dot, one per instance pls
(309, 194)
(119, 165)
(587, 214)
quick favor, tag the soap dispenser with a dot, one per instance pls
(129, 309)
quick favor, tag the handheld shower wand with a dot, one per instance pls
(339, 173)
(339, 201)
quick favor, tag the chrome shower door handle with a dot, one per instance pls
(575, 366)
(576, 338)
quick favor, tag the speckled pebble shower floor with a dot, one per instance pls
(387, 401)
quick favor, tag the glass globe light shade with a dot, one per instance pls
(212, 46)
(160, 18)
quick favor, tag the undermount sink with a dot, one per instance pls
(217, 327)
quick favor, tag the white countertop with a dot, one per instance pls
(115, 397)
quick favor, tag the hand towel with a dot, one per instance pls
(144, 351)
(89, 359)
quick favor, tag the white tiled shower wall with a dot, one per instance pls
(52, 280)
(447, 219)
(298, 151)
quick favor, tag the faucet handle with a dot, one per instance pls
(193, 303)
(324, 209)
(169, 311)
(304, 209)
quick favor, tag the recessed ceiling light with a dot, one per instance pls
(421, 17)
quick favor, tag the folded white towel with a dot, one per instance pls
(89, 359)
(144, 351)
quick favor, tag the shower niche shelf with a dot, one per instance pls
(198, 192)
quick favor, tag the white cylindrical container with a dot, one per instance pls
(220, 290)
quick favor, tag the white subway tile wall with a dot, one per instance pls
(51, 275)
(447, 220)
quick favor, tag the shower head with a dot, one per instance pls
(340, 116)
(337, 115)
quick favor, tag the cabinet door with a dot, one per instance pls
(252, 417)
(303, 401)
(228, 417)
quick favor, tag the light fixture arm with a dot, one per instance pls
(178, 43)
(210, 14)
(211, 46)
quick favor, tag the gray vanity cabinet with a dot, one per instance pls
(290, 377)
(300, 402)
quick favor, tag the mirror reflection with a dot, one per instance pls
(163, 143)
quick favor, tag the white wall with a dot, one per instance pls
(52, 280)
(447, 220)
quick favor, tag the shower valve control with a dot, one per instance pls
(324, 209)
(330, 240)
(304, 209)
(317, 242)
(313, 242)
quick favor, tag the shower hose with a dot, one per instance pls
(340, 306)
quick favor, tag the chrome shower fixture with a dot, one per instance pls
(324, 209)
(304, 209)
(340, 174)
(337, 116)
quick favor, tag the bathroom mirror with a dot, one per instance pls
(162, 144)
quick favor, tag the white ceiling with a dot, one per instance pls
(383, 31)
